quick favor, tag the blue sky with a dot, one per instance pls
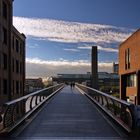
(60, 33)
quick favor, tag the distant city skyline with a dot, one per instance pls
(60, 33)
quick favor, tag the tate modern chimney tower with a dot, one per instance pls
(94, 67)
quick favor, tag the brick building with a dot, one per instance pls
(12, 55)
(129, 68)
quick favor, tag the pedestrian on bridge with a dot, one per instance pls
(72, 85)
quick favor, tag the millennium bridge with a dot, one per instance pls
(65, 112)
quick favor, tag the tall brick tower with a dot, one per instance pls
(94, 67)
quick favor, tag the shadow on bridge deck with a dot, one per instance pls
(69, 114)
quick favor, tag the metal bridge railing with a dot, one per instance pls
(16, 111)
(121, 111)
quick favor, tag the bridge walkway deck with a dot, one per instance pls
(69, 114)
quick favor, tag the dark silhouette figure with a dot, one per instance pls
(72, 85)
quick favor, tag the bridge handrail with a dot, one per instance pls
(119, 110)
(31, 94)
(109, 96)
(16, 111)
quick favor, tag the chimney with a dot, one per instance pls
(94, 67)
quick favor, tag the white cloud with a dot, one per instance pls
(70, 32)
(85, 47)
(103, 36)
(32, 45)
(100, 48)
(36, 67)
(107, 49)
(72, 50)
(58, 63)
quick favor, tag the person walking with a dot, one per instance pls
(71, 85)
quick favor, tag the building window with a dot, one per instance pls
(132, 80)
(20, 48)
(20, 67)
(17, 87)
(4, 35)
(127, 59)
(17, 45)
(4, 61)
(0, 61)
(4, 10)
(17, 66)
(21, 87)
(13, 65)
(13, 42)
(0, 85)
(4, 86)
(13, 87)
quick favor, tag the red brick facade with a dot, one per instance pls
(129, 68)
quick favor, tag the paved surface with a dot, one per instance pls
(69, 115)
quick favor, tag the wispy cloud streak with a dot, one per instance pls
(72, 50)
(70, 32)
(100, 48)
